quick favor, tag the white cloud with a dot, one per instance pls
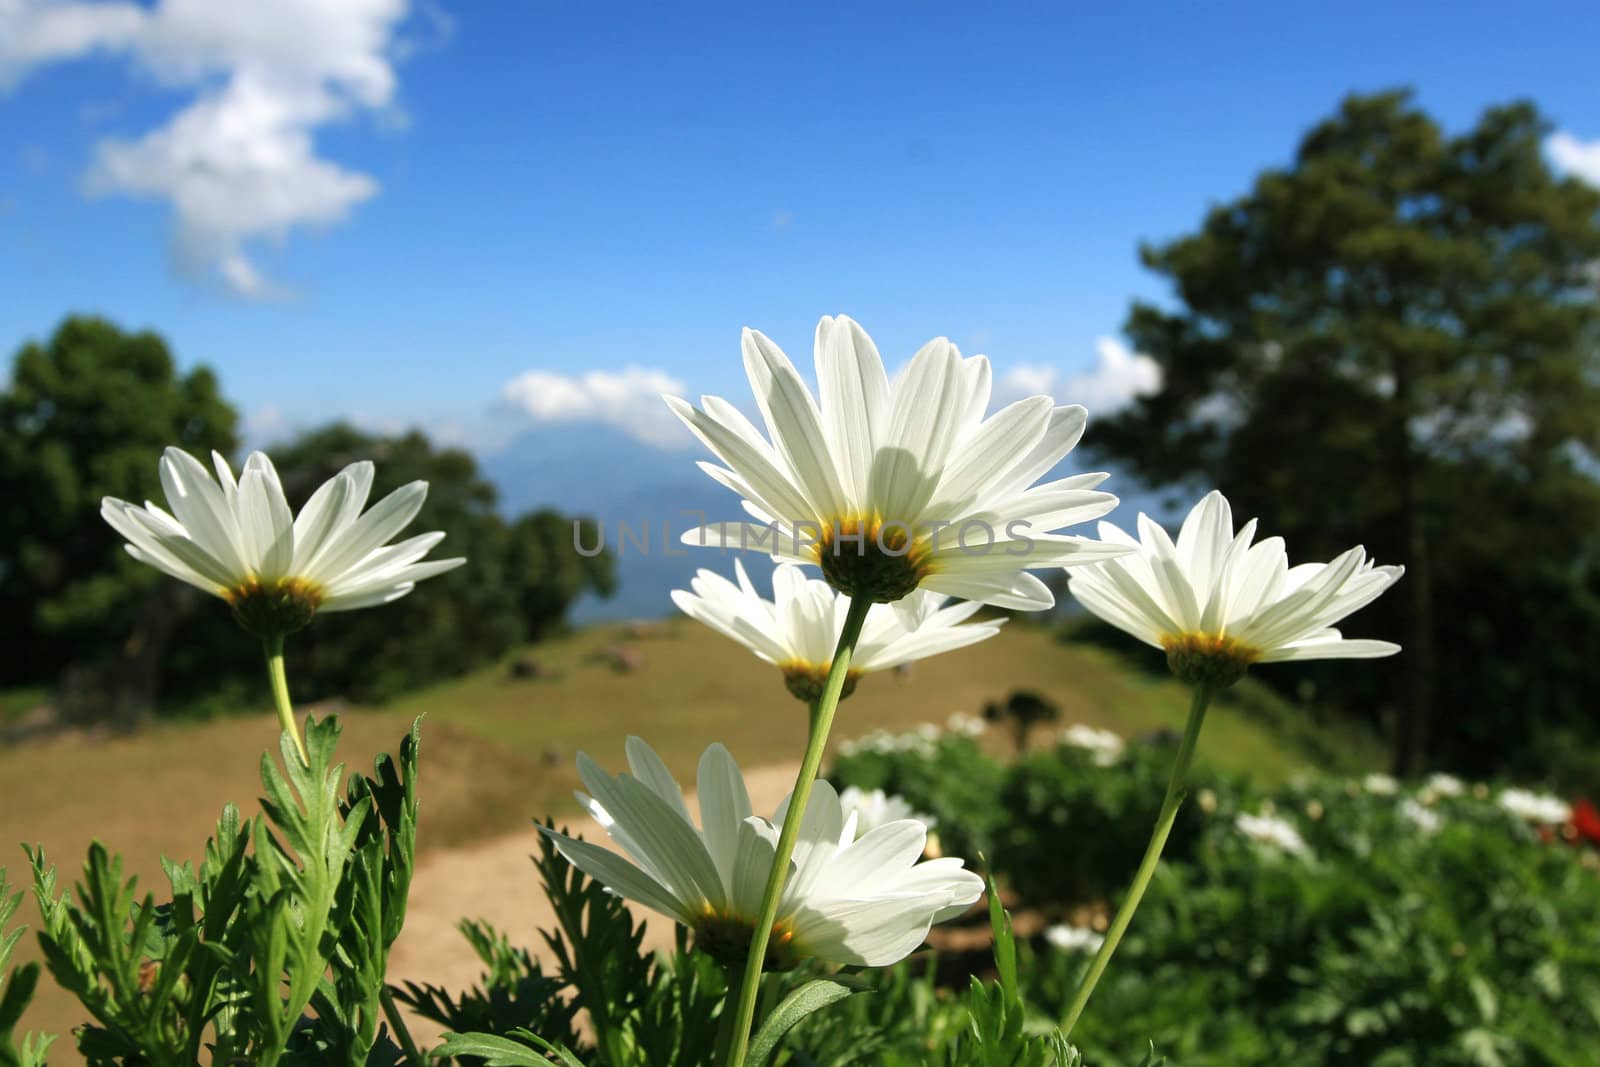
(1119, 375)
(629, 399)
(1578, 158)
(238, 164)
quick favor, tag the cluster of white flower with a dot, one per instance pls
(1423, 818)
(1074, 940)
(1542, 808)
(923, 741)
(963, 725)
(1268, 829)
(1380, 785)
(1106, 746)
(874, 808)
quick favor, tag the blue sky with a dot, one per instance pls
(418, 206)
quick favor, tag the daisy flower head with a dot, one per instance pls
(851, 897)
(873, 808)
(895, 486)
(798, 630)
(1380, 785)
(1216, 603)
(1105, 746)
(1074, 940)
(1529, 806)
(237, 539)
(1276, 833)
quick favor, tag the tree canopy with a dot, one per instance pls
(1393, 340)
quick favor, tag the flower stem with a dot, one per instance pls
(749, 984)
(1177, 789)
(397, 1023)
(280, 693)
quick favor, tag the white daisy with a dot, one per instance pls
(894, 487)
(962, 724)
(1074, 940)
(850, 898)
(1423, 818)
(1217, 604)
(1274, 832)
(875, 808)
(238, 540)
(1105, 746)
(1535, 807)
(1380, 785)
(1445, 785)
(799, 630)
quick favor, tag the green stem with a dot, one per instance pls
(397, 1023)
(725, 1023)
(280, 694)
(750, 982)
(1177, 789)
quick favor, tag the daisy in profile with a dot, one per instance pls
(238, 540)
(798, 630)
(1216, 603)
(852, 897)
(894, 487)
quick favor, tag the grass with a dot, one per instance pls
(497, 752)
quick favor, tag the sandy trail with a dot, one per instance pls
(495, 880)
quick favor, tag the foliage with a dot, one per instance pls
(82, 417)
(16, 990)
(1421, 927)
(1368, 345)
(274, 950)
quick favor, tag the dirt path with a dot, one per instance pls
(495, 881)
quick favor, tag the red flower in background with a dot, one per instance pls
(1586, 822)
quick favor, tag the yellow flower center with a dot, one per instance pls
(872, 559)
(1216, 660)
(275, 608)
(727, 938)
(807, 680)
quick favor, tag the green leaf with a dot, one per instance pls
(802, 1002)
(503, 1052)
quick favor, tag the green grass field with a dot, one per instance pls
(497, 752)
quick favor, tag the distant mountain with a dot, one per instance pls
(596, 470)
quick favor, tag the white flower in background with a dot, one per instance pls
(1380, 785)
(1074, 939)
(895, 487)
(1216, 603)
(1445, 785)
(964, 725)
(799, 629)
(850, 898)
(238, 540)
(1106, 746)
(1423, 818)
(1535, 807)
(1274, 832)
(875, 808)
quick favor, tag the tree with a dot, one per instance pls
(1393, 340)
(86, 415)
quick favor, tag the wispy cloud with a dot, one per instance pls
(1119, 375)
(629, 399)
(238, 163)
(1572, 156)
